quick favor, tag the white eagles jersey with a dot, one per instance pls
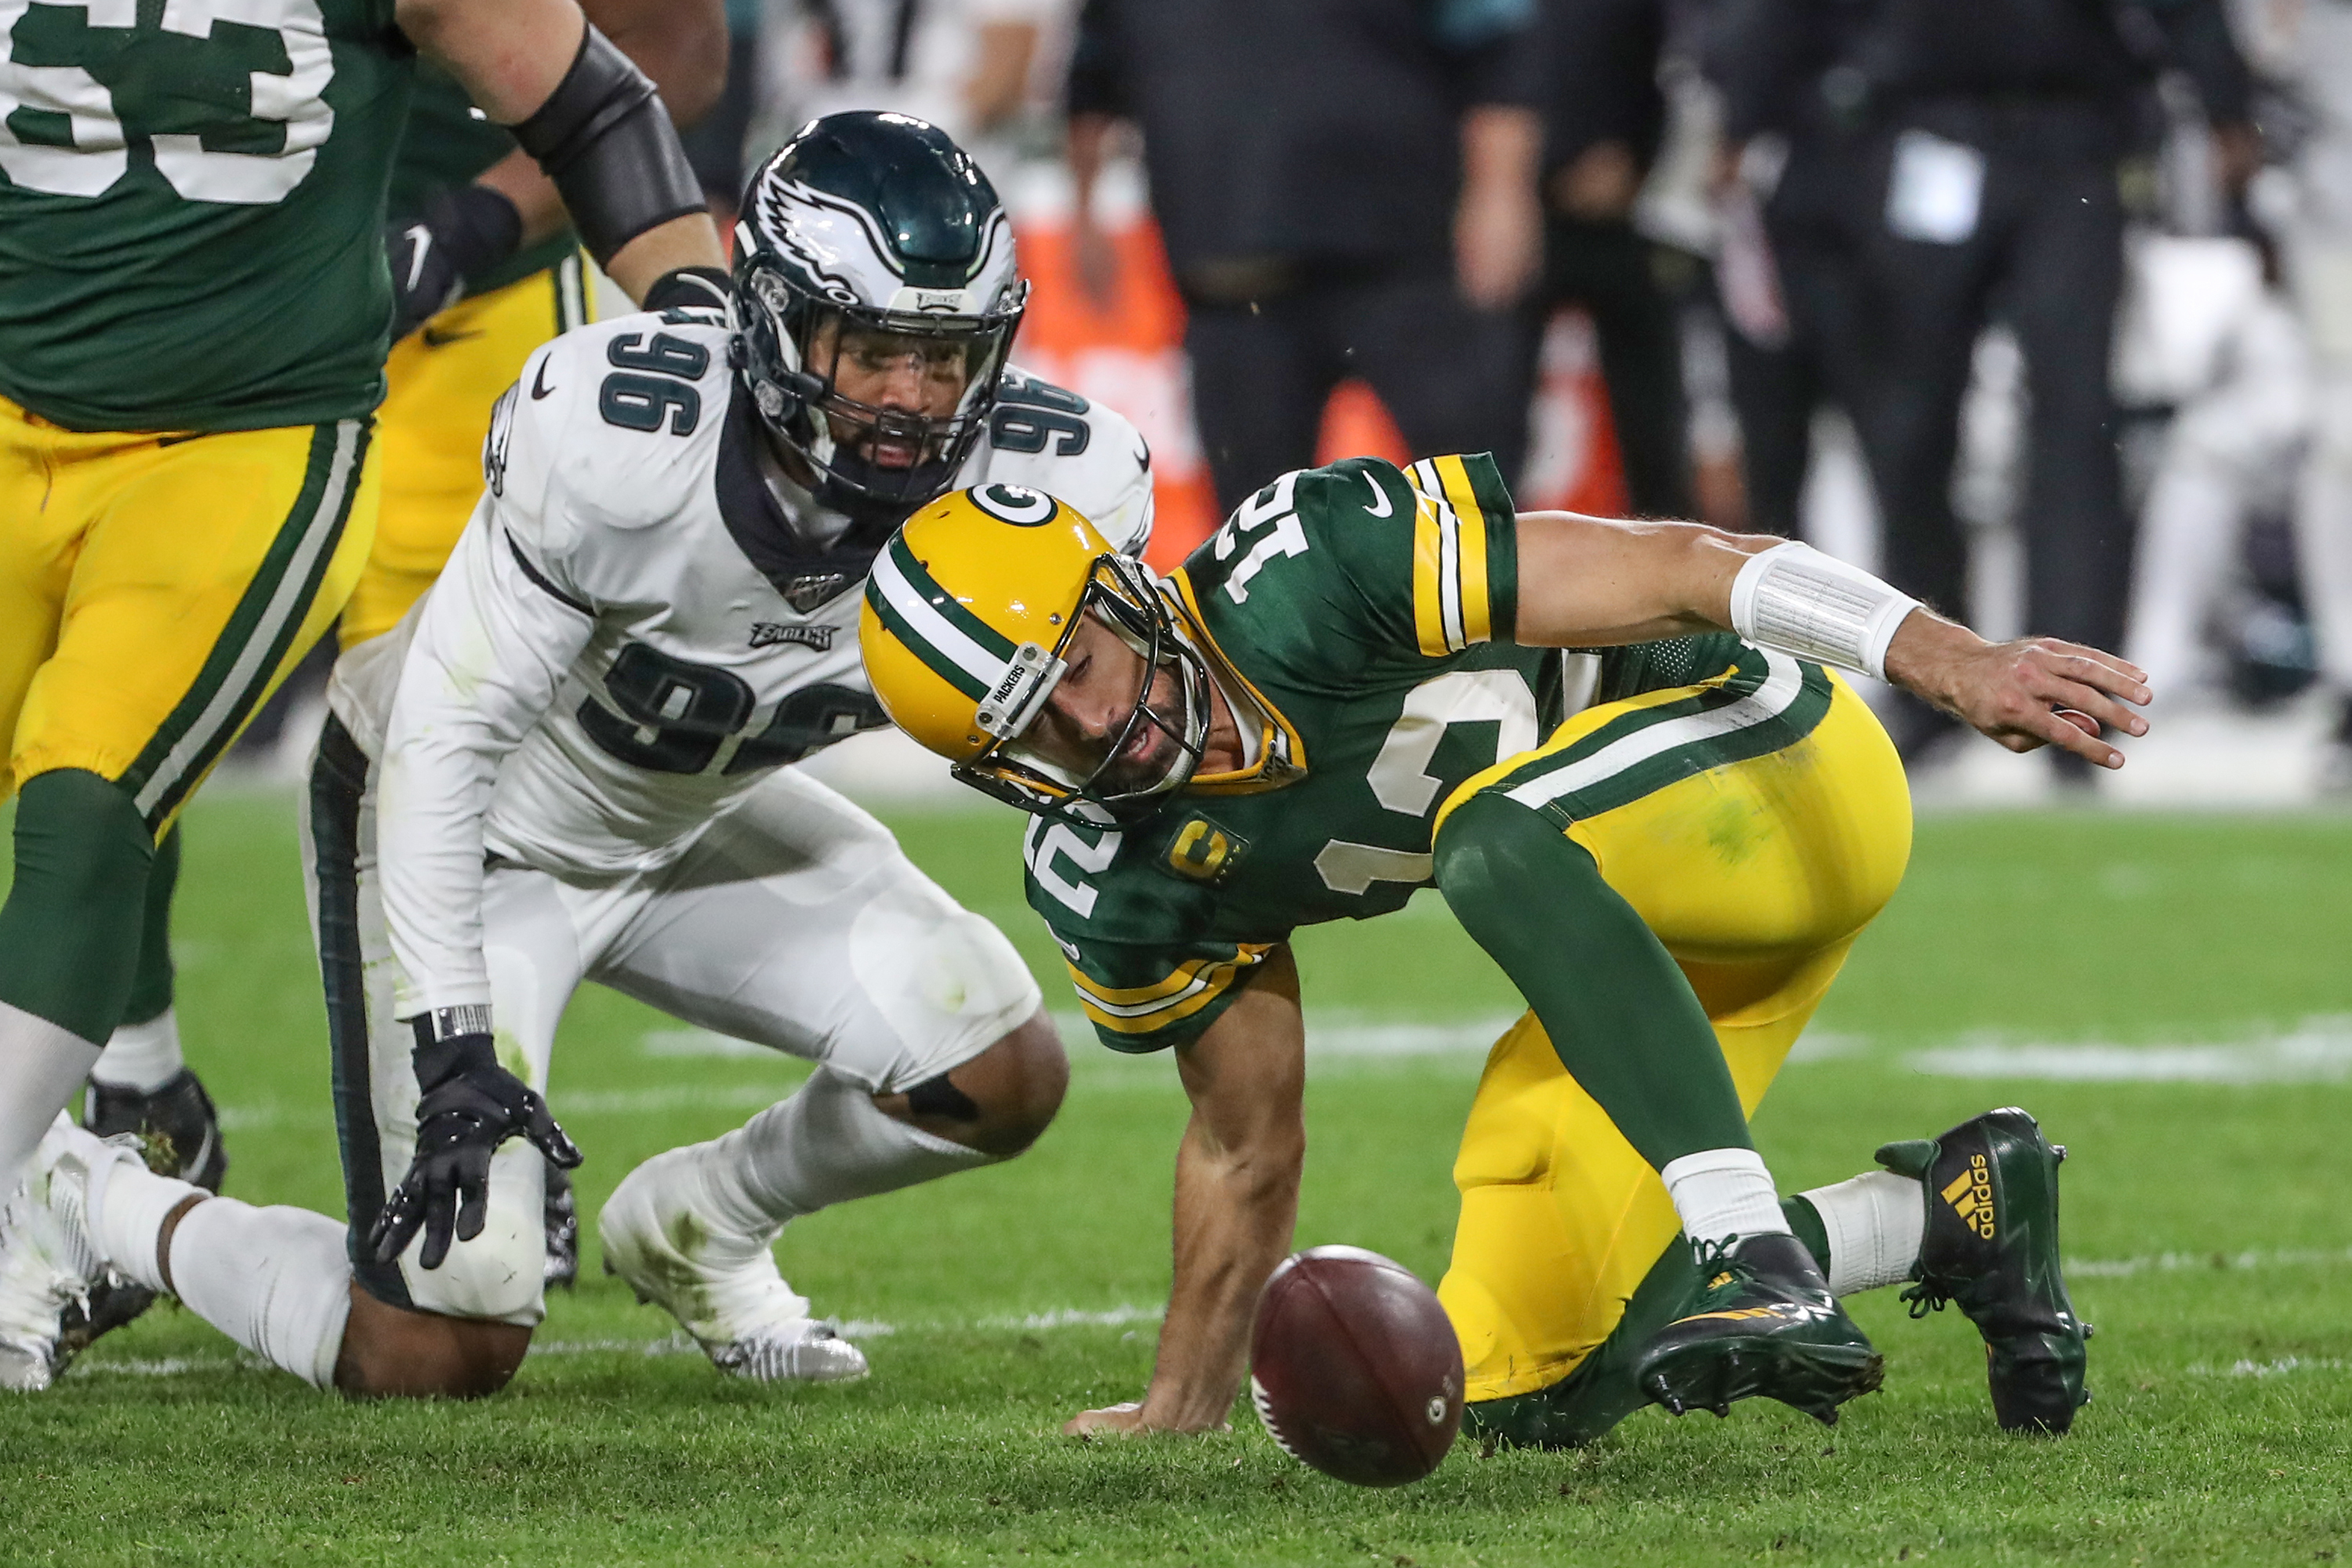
(632, 632)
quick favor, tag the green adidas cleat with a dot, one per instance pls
(1991, 1245)
(1765, 1324)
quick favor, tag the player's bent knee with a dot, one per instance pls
(391, 1352)
(1001, 1101)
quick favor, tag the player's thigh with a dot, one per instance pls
(441, 382)
(796, 921)
(533, 945)
(38, 544)
(1761, 814)
(204, 569)
(1560, 1222)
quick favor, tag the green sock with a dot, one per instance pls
(1622, 1017)
(151, 984)
(70, 933)
(1805, 1221)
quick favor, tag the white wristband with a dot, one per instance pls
(1795, 599)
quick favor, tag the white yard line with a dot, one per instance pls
(2279, 1368)
(2206, 1262)
(2316, 1051)
(1135, 1314)
(1050, 1320)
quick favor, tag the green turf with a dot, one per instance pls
(2214, 1215)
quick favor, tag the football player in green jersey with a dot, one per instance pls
(194, 304)
(1340, 699)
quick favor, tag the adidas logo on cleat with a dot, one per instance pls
(1971, 1195)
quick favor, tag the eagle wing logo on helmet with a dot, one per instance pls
(834, 241)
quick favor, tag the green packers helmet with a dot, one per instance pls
(968, 613)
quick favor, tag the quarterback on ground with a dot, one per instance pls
(1338, 699)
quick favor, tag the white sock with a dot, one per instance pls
(41, 1065)
(144, 1056)
(827, 1144)
(276, 1280)
(1723, 1193)
(126, 1206)
(1876, 1222)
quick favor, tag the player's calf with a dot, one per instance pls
(692, 1230)
(393, 1352)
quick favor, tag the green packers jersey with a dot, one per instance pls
(192, 201)
(445, 145)
(1366, 613)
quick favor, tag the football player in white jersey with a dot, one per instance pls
(569, 762)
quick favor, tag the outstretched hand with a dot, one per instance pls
(2035, 692)
(1123, 1421)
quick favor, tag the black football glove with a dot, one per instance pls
(435, 257)
(470, 1106)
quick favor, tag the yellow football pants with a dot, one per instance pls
(1757, 875)
(154, 589)
(443, 380)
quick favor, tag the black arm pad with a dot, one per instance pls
(604, 139)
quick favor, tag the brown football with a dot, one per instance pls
(1354, 1367)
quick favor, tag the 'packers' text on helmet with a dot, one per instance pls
(875, 299)
(968, 614)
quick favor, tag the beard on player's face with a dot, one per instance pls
(919, 379)
(1112, 719)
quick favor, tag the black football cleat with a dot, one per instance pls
(1991, 1245)
(1765, 1324)
(178, 1127)
(562, 1267)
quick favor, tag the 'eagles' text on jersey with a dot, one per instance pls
(631, 630)
(1367, 613)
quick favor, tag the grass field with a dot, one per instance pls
(2185, 980)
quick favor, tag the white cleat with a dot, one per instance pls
(725, 1290)
(46, 1258)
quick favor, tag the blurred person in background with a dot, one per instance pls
(714, 143)
(1785, 265)
(2317, 55)
(1345, 188)
(1969, 169)
(1604, 121)
(963, 65)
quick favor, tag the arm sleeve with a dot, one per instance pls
(493, 641)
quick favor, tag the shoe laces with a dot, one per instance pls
(1925, 1297)
(1718, 1266)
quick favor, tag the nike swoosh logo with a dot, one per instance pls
(539, 388)
(420, 240)
(441, 340)
(1380, 507)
